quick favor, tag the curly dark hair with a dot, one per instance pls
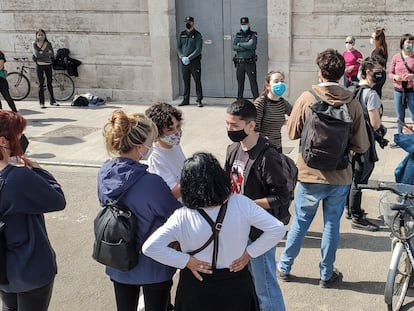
(203, 181)
(161, 114)
(332, 64)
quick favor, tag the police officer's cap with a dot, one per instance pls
(188, 19)
(244, 20)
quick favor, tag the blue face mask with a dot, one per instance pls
(408, 47)
(279, 88)
(244, 27)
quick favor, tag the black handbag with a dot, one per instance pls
(115, 230)
(3, 243)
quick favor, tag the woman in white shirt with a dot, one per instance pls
(228, 286)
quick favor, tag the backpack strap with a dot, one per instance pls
(3, 178)
(215, 227)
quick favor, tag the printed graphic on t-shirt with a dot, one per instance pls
(237, 171)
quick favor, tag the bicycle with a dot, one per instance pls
(397, 207)
(19, 83)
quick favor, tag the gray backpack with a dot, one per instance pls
(324, 142)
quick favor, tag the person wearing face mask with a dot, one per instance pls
(363, 164)
(189, 47)
(402, 73)
(272, 108)
(380, 53)
(255, 170)
(352, 57)
(43, 57)
(245, 43)
(129, 138)
(167, 158)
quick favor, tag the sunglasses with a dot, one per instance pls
(349, 42)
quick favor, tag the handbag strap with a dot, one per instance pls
(215, 227)
(405, 63)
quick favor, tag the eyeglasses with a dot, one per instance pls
(349, 42)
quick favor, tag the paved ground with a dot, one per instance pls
(68, 140)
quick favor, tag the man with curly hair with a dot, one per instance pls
(167, 158)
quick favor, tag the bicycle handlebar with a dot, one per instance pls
(409, 195)
(21, 59)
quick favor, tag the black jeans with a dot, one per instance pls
(43, 70)
(248, 68)
(362, 172)
(156, 296)
(4, 90)
(192, 69)
(37, 299)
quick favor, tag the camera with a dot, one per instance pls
(379, 136)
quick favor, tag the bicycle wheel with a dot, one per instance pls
(398, 278)
(19, 85)
(63, 86)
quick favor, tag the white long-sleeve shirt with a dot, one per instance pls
(190, 228)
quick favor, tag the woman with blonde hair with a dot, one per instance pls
(129, 137)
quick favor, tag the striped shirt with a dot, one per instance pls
(271, 117)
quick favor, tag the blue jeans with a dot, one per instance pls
(263, 270)
(400, 109)
(307, 200)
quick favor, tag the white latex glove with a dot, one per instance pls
(185, 60)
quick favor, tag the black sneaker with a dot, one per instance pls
(364, 224)
(285, 277)
(334, 279)
(184, 103)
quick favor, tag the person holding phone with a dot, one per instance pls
(43, 57)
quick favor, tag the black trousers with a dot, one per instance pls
(37, 299)
(156, 296)
(248, 68)
(42, 71)
(192, 69)
(4, 90)
(361, 174)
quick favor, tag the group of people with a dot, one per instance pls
(189, 48)
(180, 201)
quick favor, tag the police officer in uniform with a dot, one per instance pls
(244, 44)
(189, 46)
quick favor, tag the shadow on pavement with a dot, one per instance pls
(59, 140)
(47, 121)
(348, 240)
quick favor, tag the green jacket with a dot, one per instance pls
(189, 44)
(245, 49)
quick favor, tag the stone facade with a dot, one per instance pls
(127, 47)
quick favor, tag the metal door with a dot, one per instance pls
(218, 21)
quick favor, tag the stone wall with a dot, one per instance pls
(127, 47)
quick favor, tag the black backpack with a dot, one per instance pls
(115, 230)
(290, 171)
(324, 142)
(80, 101)
(60, 61)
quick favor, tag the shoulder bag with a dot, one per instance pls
(115, 230)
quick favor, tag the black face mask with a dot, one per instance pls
(237, 136)
(24, 142)
(188, 25)
(378, 76)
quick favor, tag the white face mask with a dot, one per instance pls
(172, 140)
(371, 41)
(348, 46)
